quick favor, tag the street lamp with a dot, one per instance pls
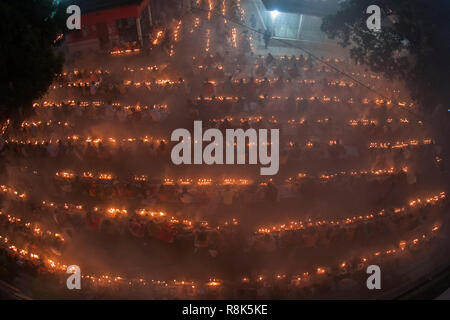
(274, 14)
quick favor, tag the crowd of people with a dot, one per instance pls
(87, 178)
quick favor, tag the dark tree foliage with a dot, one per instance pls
(413, 44)
(31, 31)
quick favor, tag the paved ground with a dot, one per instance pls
(321, 50)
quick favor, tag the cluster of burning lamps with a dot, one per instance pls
(94, 141)
(54, 266)
(120, 212)
(252, 119)
(154, 68)
(292, 225)
(210, 8)
(353, 123)
(224, 11)
(214, 282)
(399, 144)
(160, 35)
(147, 139)
(96, 104)
(303, 121)
(234, 37)
(163, 83)
(157, 39)
(164, 107)
(170, 82)
(323, 99)
(107, 177)
(69, 174)
(125, 52)
(208, 39)
(4, 126)
(35, 228)
(49, 123)
(298, 225)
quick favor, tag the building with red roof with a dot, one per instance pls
(106, 24)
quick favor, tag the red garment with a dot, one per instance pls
(163, 196)
(252, 88)
(208, 89)
(166, 234)
(137, 229)
(92, 190)
(93, 223)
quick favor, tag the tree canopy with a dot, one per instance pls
(31, 30)
(413, 44)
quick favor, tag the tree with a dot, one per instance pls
(31, 31)
(412, 46)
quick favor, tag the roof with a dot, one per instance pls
(88, 6)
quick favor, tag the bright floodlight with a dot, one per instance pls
(274, 13)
